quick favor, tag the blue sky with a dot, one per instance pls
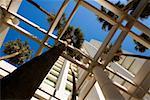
(84, 19)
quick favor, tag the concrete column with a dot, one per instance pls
(142, 79)
(86, 87)
(108, 88)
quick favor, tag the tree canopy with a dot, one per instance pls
(139, 46)
(20, 49)
(72, 35)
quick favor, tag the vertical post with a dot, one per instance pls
(86, 87)
(142, 79)
(108, 88)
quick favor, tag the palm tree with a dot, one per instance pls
(140, 47)
(130, 7)
(105, 24)
(75, 37)
(72, 35)
(17, 52)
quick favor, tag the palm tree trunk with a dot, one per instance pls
(24, 81)
(9, 56)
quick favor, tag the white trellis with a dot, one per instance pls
(95, 67)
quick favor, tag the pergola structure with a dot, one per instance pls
(97, 68)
